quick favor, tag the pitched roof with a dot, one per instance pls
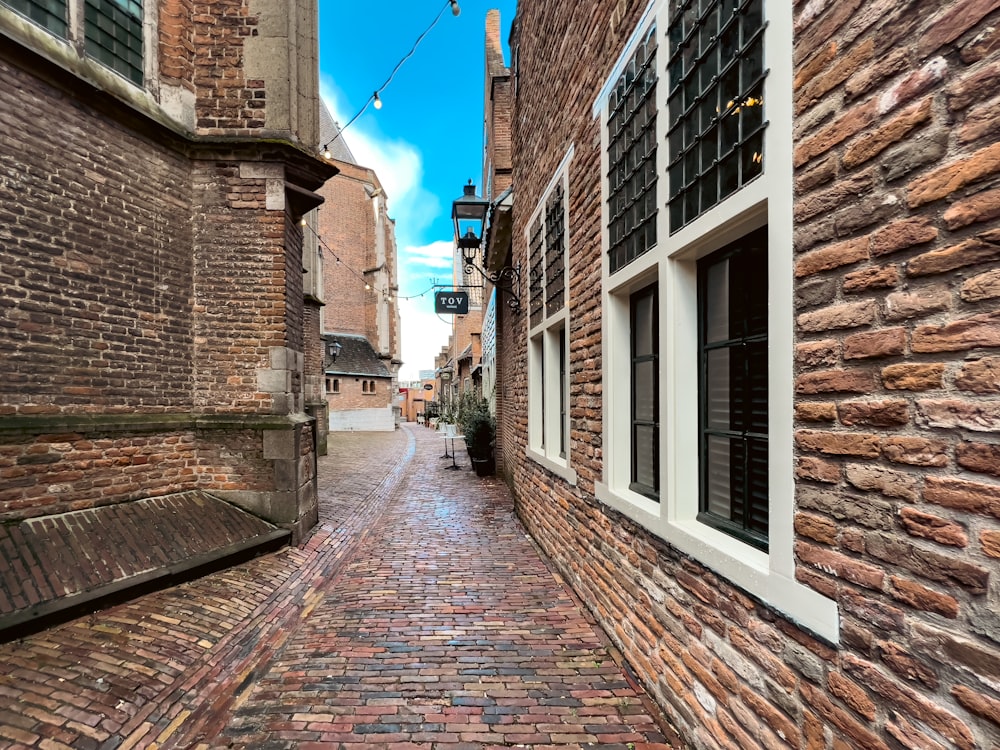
(330, 136)
(357, 357)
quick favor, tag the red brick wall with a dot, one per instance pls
(352, 395)
(227, 102)
(347, 225)
(83, 329)
(897, 411)
(176, 51)
(897, 328)
(151, 298)
(240, 299)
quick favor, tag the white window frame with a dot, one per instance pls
(672, 264)
(544, 425)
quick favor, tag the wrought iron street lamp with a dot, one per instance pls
(468, 214)
(333, 348)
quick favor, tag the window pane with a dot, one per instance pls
(562, 393)
(50, 14)
(555, 247)
(643, 333)
(645, 399)
(644, 438)
(645, 384)
(113, 35)
(733, 388)
(717, 303)
(718, 500)
(717, 407)
(632, 156)
(757, 399)
(716, 69)
(757, 514)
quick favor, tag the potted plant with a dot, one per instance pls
(479, 428)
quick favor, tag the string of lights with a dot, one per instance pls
(358, 274)
(375, 99)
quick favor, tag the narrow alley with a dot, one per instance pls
(418, 614)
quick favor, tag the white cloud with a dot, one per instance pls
(437, 256)
(399, 167)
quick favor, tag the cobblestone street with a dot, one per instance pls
(417, 614)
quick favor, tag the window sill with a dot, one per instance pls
(744, 566)
(559, 468)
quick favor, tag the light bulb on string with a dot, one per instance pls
(327, 153)
(455, 11)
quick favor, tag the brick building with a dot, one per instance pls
(361, 285)
(750, 408)
(156, 162)
(473, 360)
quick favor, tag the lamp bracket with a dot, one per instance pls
(507, 279)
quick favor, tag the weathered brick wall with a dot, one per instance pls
(497, 165)
(60, 473)
(896, 166)
(227, 101)
(83, 329)
(346, 222)
(897, 329)
(294, 290)
(351, 395)
(176, 48)
(131, 259)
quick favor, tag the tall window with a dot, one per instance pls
(645, 412)
(732, 307)
(548, 325)
(698, 303)
(632, 157)
(112, 29)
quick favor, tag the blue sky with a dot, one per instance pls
(426, 141)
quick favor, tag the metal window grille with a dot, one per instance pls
(645, 410)
(715, 103)
(50, 14)
(555, 252)
(632, 157)
(113, 33)
(536, 274)
(733, 392)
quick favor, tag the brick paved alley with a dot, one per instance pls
(418, 614)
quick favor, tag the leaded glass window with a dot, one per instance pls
(536, 274)
(715, 102)
(632, 157)
(555, 251)
(733, 371)
(113, 32)
(50, 14)
(645, 393)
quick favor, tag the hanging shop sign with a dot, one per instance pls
(451, 303)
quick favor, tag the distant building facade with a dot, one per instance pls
(360, 277)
